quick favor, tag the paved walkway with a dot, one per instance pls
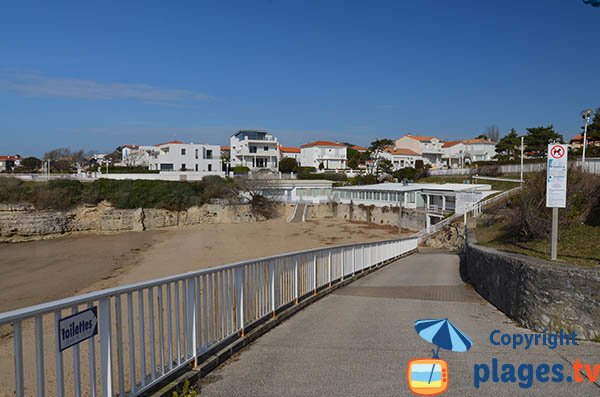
(358, 340)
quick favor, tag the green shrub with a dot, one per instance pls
(240, 169)
(326, 176)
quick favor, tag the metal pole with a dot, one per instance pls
(554, 233)
(584, 143)
(522, 150)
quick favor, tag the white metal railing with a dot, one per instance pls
(150, 330)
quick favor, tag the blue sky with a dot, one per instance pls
(97, 75)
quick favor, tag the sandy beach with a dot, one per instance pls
(40, 271)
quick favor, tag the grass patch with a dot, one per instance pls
(577, 244)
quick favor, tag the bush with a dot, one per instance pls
(64, 194)
(405, 173)
(368, 179)
(326, 176)
(490, 170)
(529, 219)
(288, 164)
(240, 169)
(306, 170)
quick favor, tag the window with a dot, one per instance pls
(183, 152)
(210, 167)
(209, 155)
(196, 155)
(252, 149)
(166, 167)
(183, 167)
(266, 148)
(196, 166)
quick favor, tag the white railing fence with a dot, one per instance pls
(148, 331)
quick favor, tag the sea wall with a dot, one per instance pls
(538, 294)
(23, 222)
(410, 219)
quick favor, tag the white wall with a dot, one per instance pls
(332, 157)
(192, 157)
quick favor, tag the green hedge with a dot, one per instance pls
(65, 194)
(325, 176)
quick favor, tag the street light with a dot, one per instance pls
(586, 115)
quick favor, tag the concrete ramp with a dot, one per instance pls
(299, 213)
(358, 340)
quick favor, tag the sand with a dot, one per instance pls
(40, 271)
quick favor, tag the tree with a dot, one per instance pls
(321, 167)
(593, 131)
(355, 158)
(492, 133)
(31, 164)
(507, 148)
(58, 154)
(378, 146)
(537, 139)
(288, 164)
(385, 166)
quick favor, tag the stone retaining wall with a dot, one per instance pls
(411, 219)
(538, 294)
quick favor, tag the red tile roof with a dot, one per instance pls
(577, 138)
(10, 158)
(131, 146)
(170, 142)
(225, 148)
(289, 149)
(322, 143)
(420, 138)
(359, 148)
(467, 141)
(451, 143)
(402, 152)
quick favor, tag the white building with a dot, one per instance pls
(290, 152)
(429, 147)
(331, 155)
(254, 149)
(435, 200)
(8, 163)
(136, 155)
(463, 152)
(179, 156)
(298, 190)
(401, 158)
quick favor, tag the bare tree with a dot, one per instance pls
(492, 133)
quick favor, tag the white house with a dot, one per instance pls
(136, 155)
(7, 163)
(254, 149)
(331, 155)
(429, 147)
(180, 156)
(463, 152)
(401, 158)
(290, 152)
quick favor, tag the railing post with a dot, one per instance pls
(105, 347)
(315, 274)
(353, 260)
(342, 264)
(329, 269)
(296, 281)
(191, 318)
(272, 286)
(18, 358)
(239, 281)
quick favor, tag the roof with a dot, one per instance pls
(467, 142)
(359, 148)
(289, 149)
(400, 187)
(420, 137)
(131, 146)
(577, 138)
(225, 148)
(322, 143)
(10, 157)
(402, 152)
(170, 143)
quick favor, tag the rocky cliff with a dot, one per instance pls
(23, 222)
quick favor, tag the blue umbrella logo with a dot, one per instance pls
(443, 334)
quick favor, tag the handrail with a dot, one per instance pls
(160, 326)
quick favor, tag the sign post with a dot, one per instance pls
(556, 188)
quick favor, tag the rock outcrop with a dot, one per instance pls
(22, 222)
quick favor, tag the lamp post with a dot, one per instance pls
(522, 153)
(586, 115)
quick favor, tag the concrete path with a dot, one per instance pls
(358, 341)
